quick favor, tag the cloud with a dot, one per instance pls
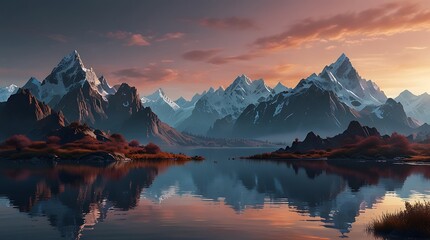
(151, 73)
(130, 39)
(200, 55)
(211, 56)
(286, 73)
(137, 40)
(58, 38)
(415, 48)
(167, 61)
(170, 36)
(218, 60)
(385, 20)
(331, 47)
(232, 23)
(129, 73)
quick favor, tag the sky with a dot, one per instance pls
(187, 46)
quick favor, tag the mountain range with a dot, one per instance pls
(216, 104)
(74, 93)
(169, 111)
(323, 103)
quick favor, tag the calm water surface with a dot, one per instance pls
(218, 198)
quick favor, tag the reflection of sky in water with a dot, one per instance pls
(250, 196)
(415, 185)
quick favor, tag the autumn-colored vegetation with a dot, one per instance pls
(413, 222)
(21, 147)
(394, 147)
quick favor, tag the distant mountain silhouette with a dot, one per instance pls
(350, 135)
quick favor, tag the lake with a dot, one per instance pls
(219, 198)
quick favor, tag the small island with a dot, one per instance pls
(81, 144)
(357, 142)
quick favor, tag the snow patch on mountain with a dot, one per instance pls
(416, 106)
(280, 88)
(171, 112)
(216, 104)
(69, 74)
(159, 97)
(6, 92)
(341, 78)
(236, 97)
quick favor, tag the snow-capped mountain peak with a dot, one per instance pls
(33, 80)
(105, 86)
(416, 106)
(232, 101)
(12, 88)
(159, 97)
(342, 78)
(6, 92)
(69, 74)
(342, 60)
(243, 85)
(181, 101)
(159, 93)
(71, 60)
(34, 85)
(241, 81)
(280, 88)
(220, 90)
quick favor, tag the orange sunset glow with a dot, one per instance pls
(184, 51)
(214, 119)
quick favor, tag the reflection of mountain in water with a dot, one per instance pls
(76, 197)
(336, 193)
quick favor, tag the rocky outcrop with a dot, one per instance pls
(24, 114)
(76, 131)
(145, 126)
(83, 105)
(354, 132)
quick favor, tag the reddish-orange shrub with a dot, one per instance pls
(18, 141)
(151, 148)
(53, 140)
(134, 143)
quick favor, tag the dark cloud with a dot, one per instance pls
(232, 23)
(211, 56)
(386, 20)
(200, 55)
(151, 73)
(218, 60)
(129, 73)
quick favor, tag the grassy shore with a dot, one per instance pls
(412, 222)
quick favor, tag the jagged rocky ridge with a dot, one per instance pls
(350, 135)
(216, 104)
(24, 114)
(323, 103)
(81, 96)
